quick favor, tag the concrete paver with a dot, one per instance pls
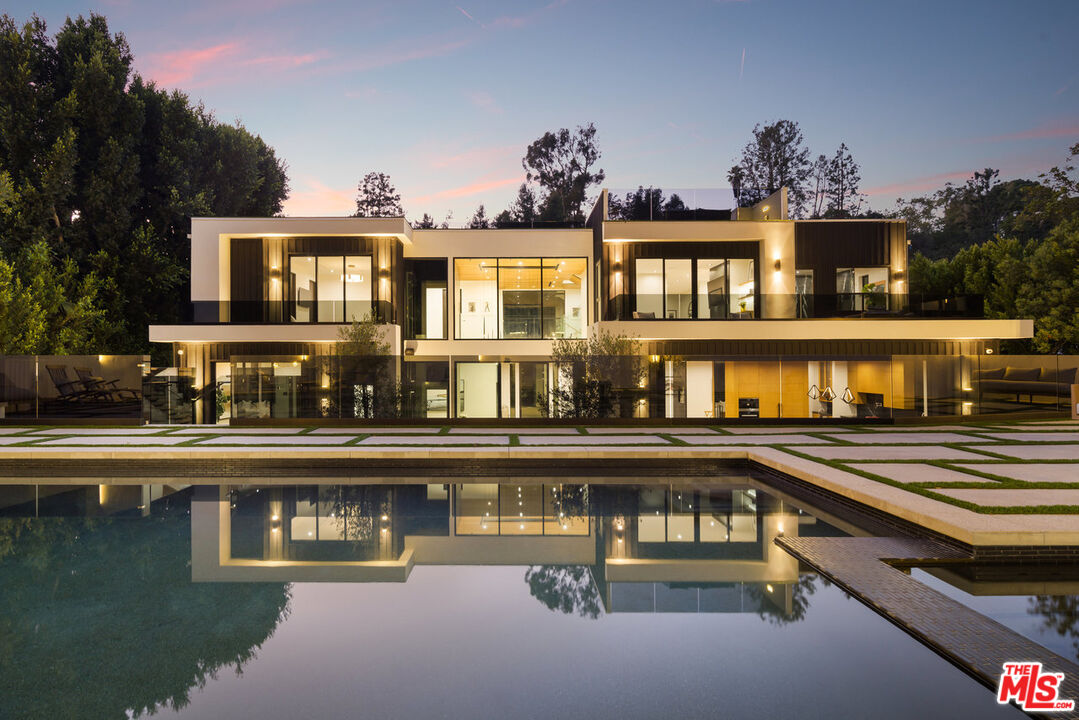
(597, 441)
(751, 439)
(888, 452)
(110, 440)
(916, 472)
(1008, 497)
(909, 437)
(1037, 452)
(1039, 472)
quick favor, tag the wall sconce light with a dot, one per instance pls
(777, 265)
(989, 351)
(180, 352)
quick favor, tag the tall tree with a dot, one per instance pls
(818, 175)
(776, 157)
(479, 220)
(425, 223)
(377, 197)
(562, 163)
(843, 176)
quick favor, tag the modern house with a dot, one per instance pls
(746, 314)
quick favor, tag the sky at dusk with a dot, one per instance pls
(445, 96)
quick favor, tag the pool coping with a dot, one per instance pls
(959, 524)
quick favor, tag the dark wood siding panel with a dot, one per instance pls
(824, 247)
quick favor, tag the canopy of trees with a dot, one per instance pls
(778, 156)
(105, 170)
(1015, 243)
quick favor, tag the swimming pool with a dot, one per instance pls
(530, 598)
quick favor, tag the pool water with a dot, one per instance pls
(1040, 602)
(518, 598)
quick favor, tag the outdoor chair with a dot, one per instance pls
(94, 383)
(68, 389)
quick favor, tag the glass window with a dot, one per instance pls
(519, 298)
(678, 288)
(564, 298)
(357, 287)
(857, 287)
(649, 288)
(302, 283)
(743, 287)
(712, 295)
(331, 288)
(803, 289)
(476, 282)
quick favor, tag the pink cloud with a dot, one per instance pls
(929, 182)
(182, 66)
(282, 62)
(468, 190)
(319, 199)
(476, 158)
(1068, 128)
(219, 64)
(485, 101)
(519, 21)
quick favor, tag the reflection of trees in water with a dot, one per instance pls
(100, 617)
(1059, 613)
(565, 588)
(358, 510)
(770, 609)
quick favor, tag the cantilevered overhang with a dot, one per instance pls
(279, 332)
(302, 227)
(822, 329)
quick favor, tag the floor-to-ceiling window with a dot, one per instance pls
(705, 289)
(329, 288)
(520, 298)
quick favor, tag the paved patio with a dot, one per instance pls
(950, 478)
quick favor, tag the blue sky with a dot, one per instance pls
(445, 96)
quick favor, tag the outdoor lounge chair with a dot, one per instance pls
(70, 390)
(94, 383)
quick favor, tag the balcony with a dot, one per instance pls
(278, 312)
(757, 306)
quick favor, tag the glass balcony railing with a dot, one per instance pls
(757, 306)
(653, 203)
(210, 312)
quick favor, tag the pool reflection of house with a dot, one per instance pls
(671, 548)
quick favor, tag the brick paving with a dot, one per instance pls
(972, 641)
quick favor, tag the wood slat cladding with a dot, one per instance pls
(619, 268)
(252, 280)
(825, 246)
(845, 349)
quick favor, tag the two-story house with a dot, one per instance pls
(752, 316)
